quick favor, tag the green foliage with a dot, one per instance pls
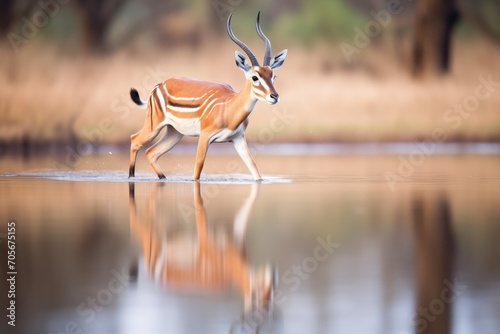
(320, 20)
(482, 15)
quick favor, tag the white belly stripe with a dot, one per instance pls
(186, 126)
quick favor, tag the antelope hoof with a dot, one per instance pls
(161, 176)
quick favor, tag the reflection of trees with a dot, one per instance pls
(434, 257)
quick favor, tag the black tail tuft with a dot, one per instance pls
(134, 94)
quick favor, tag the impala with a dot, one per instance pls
(208, 261)
(211, 111)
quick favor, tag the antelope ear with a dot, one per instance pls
(241, 61)
(279, 59)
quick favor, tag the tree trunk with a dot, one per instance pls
(6, 15)
(11, 12)
(97, 17)
(434, 24)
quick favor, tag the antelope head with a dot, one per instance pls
(261, 78)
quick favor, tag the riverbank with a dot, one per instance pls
(64, 100)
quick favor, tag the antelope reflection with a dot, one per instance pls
(210, 262)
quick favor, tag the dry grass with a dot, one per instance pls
(51, 97)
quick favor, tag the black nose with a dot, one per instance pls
(275, 96)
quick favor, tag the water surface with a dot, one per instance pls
(324, 245)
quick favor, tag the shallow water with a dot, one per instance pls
(325, 244)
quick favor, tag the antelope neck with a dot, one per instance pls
(242, 104)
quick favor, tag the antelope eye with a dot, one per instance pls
(254, 78)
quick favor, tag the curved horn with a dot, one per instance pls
(242, 45)
(267, 54)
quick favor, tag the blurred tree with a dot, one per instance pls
(219, 10)
(97, 16)
(148, 15)
(483, 15)
(319, 21)
(168, 20)
(278, 7)
(434, 23)
(6, 15)
(11, 12)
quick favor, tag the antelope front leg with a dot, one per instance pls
(201, 154)
(240, 144)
